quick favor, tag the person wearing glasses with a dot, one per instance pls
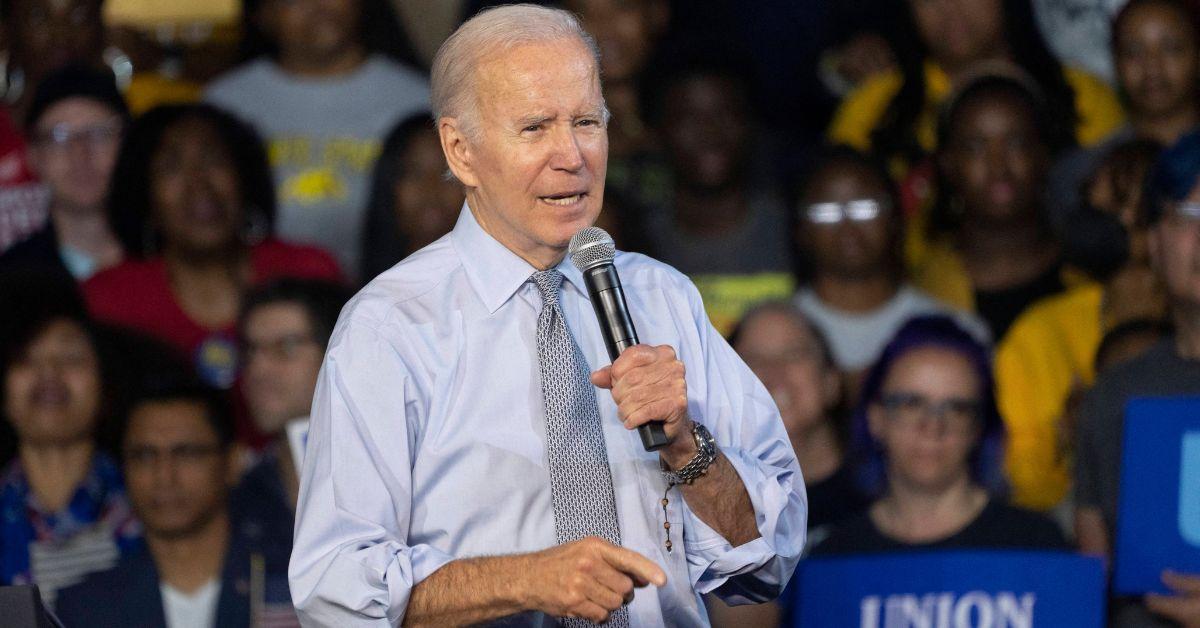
(177, 447)
(1169, 368)
(283, 330)
(848, 251)
(74, 123)
(927, 440)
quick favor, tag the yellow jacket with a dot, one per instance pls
(1100, 111)
(1048, 353)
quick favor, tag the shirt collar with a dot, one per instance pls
(494, 271)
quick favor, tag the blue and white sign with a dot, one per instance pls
(1158, 521)
(968, 589)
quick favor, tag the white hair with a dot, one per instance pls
(491, 32)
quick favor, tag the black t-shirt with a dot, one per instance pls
(834, 499)
(1000, 308)
(998, 526)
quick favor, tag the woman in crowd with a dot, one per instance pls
(1048, 356)
(791, 357)
(192, 202)
(929, 441)
(848, 237)
(412, 203)
(793, 360)
(941, 44)
(63, 511)
(990, 248)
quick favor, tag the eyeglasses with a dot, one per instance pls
(1189, 212)
(832, 213)
(93, 135)
(914, 409)
(285, 347)
(187, 453)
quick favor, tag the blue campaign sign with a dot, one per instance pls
(961, 589)
(1158, 520)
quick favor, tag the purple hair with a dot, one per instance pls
(986, 460)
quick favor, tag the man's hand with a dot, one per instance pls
(1184, 606)
(648, 384)
(589, 578)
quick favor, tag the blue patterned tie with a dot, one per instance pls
(580, 481)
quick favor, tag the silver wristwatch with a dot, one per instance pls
(706, 454)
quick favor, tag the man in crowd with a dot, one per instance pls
(323, 95)
(75, 125)
(461, 467)
(284, 329)
(1170, 368)
(177, 451)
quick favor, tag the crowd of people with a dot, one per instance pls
(949, 251)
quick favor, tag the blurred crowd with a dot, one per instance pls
(951, 237)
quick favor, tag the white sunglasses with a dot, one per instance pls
(831, 213)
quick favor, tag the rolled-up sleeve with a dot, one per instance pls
(745, 422)
(351, 565)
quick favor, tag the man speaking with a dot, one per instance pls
(465, 465)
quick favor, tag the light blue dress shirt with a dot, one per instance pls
(427, 440)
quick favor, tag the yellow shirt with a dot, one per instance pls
(941, 273)
(727, 297)
(1100, 111)
(1049, 352)
(148, 90)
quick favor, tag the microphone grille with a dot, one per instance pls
(591, 246)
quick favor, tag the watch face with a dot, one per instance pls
(704, 439)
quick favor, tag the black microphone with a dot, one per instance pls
(592, 251)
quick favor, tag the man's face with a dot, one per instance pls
(313, 30)
(535, 171)
(1156, 60)
(1175, 251)
(282, 360)
(176, 471)
(74, 149)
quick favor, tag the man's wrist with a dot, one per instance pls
(705, 454)
(521, 589)
(680, 451)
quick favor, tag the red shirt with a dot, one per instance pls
(137, 294)
(22, 199)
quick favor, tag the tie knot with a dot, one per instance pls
(548, 282)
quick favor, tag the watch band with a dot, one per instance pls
(706, 454)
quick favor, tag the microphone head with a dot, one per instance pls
(591, 247)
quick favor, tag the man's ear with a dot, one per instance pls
(459, 152)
